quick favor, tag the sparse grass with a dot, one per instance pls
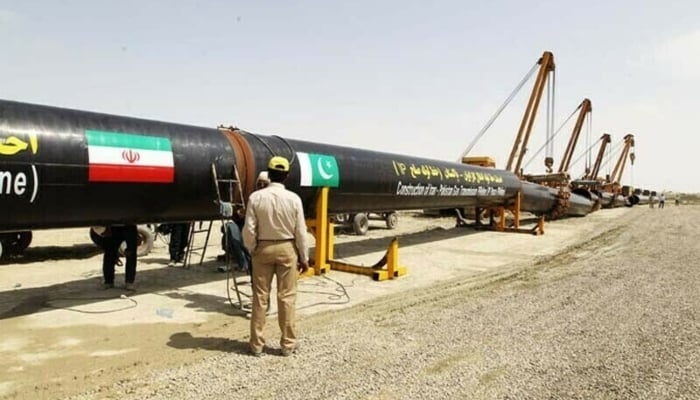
(686, 198)
(492, 376)
(446, 364)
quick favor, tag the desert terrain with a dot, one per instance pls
(601, 307)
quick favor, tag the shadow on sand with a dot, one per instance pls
(170, 282)
(185, 340)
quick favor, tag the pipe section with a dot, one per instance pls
(65, 168)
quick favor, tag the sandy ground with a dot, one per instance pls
(62, 336)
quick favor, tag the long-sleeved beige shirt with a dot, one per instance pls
(275, 213)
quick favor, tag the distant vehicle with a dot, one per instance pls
(360, 222)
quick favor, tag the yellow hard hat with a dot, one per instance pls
(278, 163)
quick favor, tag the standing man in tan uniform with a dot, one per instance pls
(275, 234)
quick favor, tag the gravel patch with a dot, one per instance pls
(614, 318)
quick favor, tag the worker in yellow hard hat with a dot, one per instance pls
(275, 234)
(278, 163)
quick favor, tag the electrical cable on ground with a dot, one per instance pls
(48, 304)
(340, 288)
(332, 296)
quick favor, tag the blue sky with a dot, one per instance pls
(407, 77)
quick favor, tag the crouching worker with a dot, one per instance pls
(232, 243)
(235, 249)
(275, 234)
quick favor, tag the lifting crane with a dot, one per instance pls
(561, 178)
(590, 180)
(546, 63)
(593, 173)
(585, 108)
(612, 183)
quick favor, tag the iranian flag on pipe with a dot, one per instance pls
(129, 157)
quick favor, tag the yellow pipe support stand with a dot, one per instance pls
(377, 272)
(393, 270)
(500, 223)
(538, 229)
(516, 212)
(540, 226)
(324, 232)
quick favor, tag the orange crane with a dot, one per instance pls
(546, 63)
(593, 173)
(612, 183)
(585, 108)
(562, 178)
(590, 181)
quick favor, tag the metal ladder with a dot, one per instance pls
(204, 226)
(237, 204)
(199, 227)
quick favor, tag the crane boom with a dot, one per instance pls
(593, 174)
(546, 63)
(585, 108)
(616, 176)
(609, 191)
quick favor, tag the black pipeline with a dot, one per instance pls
(69, 168)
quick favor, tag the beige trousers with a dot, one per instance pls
(270, 259)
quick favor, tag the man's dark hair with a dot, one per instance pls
(277, 176)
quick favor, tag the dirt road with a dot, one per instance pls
(612, 314)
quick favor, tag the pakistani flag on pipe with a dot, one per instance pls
(318, 170)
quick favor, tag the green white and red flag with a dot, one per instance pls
(128, 157)
(318, 170)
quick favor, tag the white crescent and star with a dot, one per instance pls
(321, 171)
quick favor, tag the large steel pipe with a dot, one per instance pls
(592, 196)
(607, 200)
(611, 200)
(61, 168)
(54, 168)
